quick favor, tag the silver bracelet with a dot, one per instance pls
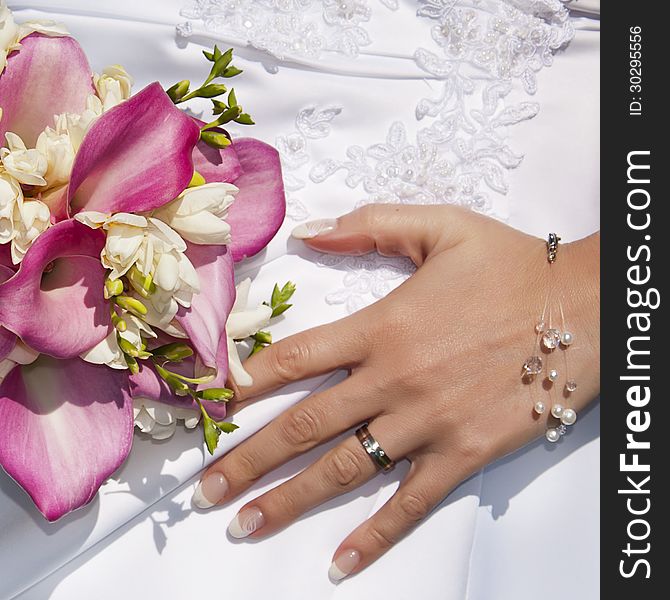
(548, 365)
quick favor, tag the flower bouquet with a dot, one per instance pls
(121, 219)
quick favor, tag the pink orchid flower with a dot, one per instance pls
(66, 425)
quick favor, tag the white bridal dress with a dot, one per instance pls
(491, 104)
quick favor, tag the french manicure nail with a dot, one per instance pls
(246, 522)
(210, 491)
(311, 229)
(343, 565)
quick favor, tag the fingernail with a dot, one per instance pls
(210, 491)
(343, 565)
(311, 229)
(246, 522)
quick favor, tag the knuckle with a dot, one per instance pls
(301, 428)
(288, 359)
(381, 538)
(370, 216)
(413, 507)
(284, 503)
(343, 468)
(243, 466)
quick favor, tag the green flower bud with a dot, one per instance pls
(178, 90)
(113, 287)
(215, 139)
(132, 305)
(216, 394)
(175, 352)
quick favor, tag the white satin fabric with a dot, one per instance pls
(525, 528)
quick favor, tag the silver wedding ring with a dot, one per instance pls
(372, 447)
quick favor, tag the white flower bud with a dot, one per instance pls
(242, 323)
(57, 147)
(26, 166)
(9, 33)
(10, 195)
(113, 86)
(199, 213)
(31, 218)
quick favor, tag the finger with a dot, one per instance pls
(344, 468)
(313, 421)
(390, 229)
(421, 491)
(338, 345)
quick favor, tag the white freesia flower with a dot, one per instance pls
(9, 33)
(20, 355)
(28, 166)
(31, 218)
(56, 146)
(43, 26)
(113, 86)
(242, 323)
(199, 213)
(108, 352)
(160, 420)
(156, 251)
(78, 125)
(10, 195)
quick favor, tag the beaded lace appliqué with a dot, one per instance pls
(461, 154)
(287, 28)
(312, 123)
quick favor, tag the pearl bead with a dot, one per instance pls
(552, 435)
(566, 338)
(568, 417)
(553, 375)
(557, 411)
(539, 407)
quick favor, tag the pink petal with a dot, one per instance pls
(47, 76)
(205, 321)
(216, 165)
(136, 157)
(7, 338)
(61, 312)
(65, 427)
(6, 257)
(260, 206)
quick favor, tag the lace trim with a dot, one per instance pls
(287, 28)
(461, 154)
(312, 123)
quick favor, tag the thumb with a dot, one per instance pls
(391, 229)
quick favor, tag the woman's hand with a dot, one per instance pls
(435, 371)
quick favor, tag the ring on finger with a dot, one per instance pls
(374, 450)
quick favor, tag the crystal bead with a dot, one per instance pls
(533, 366)
(551, 339)
(562, 429)
(571, 385)
(539, 328)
